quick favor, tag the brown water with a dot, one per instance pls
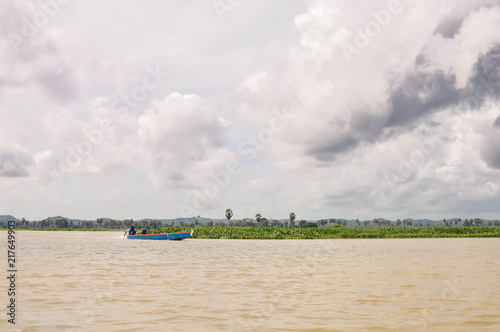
(95, 281)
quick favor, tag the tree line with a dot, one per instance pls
(89, 224)
(259, 221)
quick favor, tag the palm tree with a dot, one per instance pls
(229, 214)
(258, 217)
(292, 217)
(322, 222)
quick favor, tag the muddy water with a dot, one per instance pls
(95, 281)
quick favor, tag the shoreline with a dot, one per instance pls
(277, 233)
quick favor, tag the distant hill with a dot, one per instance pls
(4, 219)
(8, 217)
(58, 218)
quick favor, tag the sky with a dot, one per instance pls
(328, 109)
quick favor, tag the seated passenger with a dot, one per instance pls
(144, 231)
(131, 231)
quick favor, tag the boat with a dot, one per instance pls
(160, 236)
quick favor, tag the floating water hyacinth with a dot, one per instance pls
(332, 232)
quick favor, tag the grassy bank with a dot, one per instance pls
(332, 232)
(309, 233)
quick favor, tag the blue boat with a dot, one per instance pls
(161, 236)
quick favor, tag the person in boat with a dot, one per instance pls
(144, 231)
(132, 231)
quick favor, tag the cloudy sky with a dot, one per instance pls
(165, 109)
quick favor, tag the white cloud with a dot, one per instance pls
(38, 55)
(14, 160)
(460, 53)
(357, 116)
(184, 140)
(356, 120)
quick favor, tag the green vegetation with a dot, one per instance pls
(313, 232)
(334, 232)
(262, 228)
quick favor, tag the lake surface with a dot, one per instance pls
(95, 281)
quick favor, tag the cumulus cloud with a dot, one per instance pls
(389, 105)
(490, 145)
(37, 55)
(484, 83)
(14, 160)
(180, 141)
(103, 143)
(421, 93)
(47, 67)
(184, 140)
(36, 61)
(376, 103)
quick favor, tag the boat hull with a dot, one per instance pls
(161, 236)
